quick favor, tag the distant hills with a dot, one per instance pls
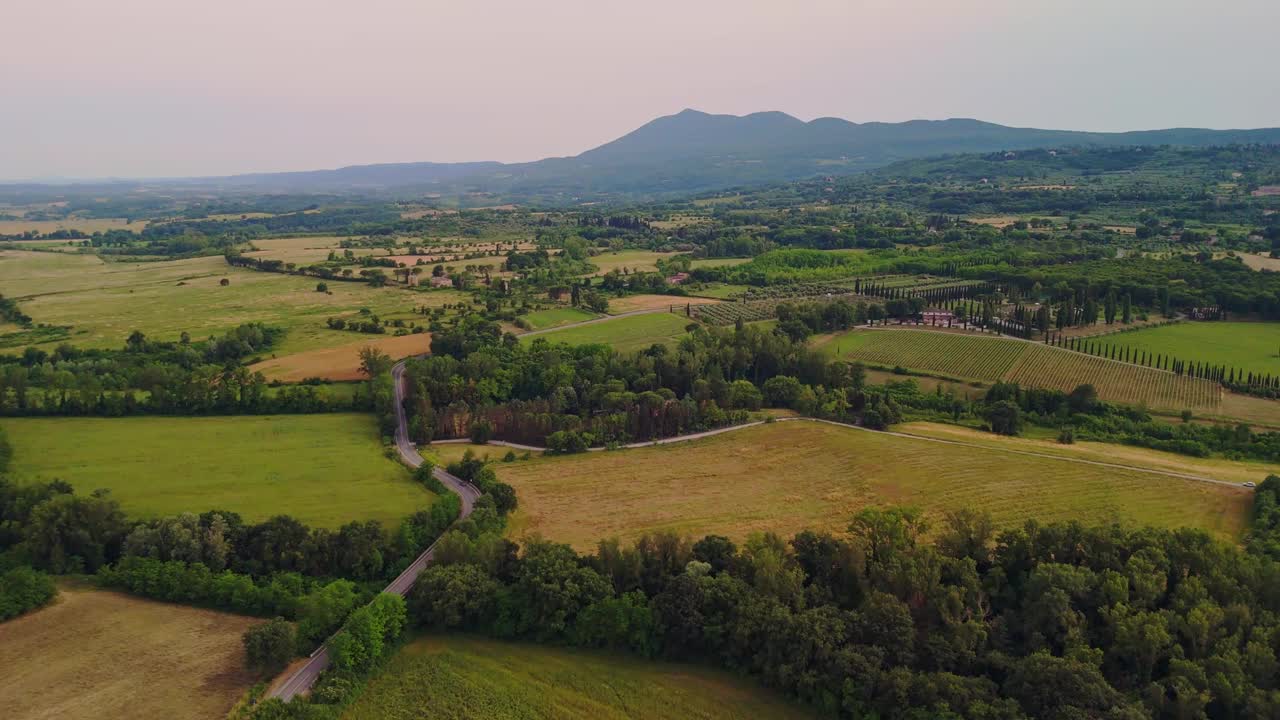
(694, 151)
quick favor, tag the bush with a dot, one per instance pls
(481, 432)
(23, 589)
(567, 442)
(1067, 436)
(270, 646)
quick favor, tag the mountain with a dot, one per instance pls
(694, 151)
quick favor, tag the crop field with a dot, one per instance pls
(717, 262)
(341, 363)
(103, 302)
(788, 476)
(325, 470)
(991, 359)
(1247, 346)
(555, 317)
(720, 291)
(624, 334)
(472, 678)
(95, 654)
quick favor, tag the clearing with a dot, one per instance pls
(325, 470)
(467, 677)
(555, 317)
(624, 334)
(341, 363)
(628, 260)
(97, 654)
(788, 476)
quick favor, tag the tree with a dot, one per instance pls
(270, 646)
(1127, 312)
(1109, 306)
(323, 609)
(374, 362)
(1005, 417)
(322, 287)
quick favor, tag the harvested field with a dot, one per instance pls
(84, 225)
(630, 260)
(341, 363)
(96, 654)
(624, 334)
(788, 476)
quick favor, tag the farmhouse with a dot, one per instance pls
(678, 278)
(442, 281)
(936, 316)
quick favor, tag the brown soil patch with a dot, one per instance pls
(1267, 191)
(340, 363)
(97, 654)
(632, 303)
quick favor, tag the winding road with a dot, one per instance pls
(304, 677)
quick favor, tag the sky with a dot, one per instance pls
(164, 88)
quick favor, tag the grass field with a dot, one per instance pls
(104, 301)
(631, 260)
(633, 303)
(721, 291)
(1215, 468)
(555, 317)
(1248, 346)
(325, 470)
(989, 359)
(95, 654)
(340, 363)
(470, 678)
(789, 476)
(625, 334)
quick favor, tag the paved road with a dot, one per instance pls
(305, 676)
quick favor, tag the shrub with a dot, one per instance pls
(269, 647)
(23, 589)
(567, 442)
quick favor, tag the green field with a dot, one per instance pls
(555, 317)
(788, 476)
(1247, 346)
(466, 678)
(990, 359)
(325, 470)
(104, 301)
(630, 260)
(625, 334)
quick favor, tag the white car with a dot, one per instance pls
(1249, 484)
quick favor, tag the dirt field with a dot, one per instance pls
(633, 303)
(340, 363)
(96, 654)
(1260, 262)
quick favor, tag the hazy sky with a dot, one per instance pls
(92, 88)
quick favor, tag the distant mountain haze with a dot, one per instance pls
(693, 151)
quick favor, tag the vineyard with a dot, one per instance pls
(1049, 367)
(1030, 364)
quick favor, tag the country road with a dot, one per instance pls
(304, 677)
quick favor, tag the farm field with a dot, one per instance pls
(1252, 347)
(84, 225)
(325, 470)
(104, 301)
(341, 363)
(304, 250)
(97, 654)
(990, 359)
(720, 291)
(624, 334)
(471, 678)
(634, 303)
(787, 476)
(631, 260)
(1218, 469)
(717, 262)
(555, 317)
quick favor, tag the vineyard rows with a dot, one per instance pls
(990, 359)
(1043, 366)
(959, 356)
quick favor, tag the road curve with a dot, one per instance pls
(305, 677)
